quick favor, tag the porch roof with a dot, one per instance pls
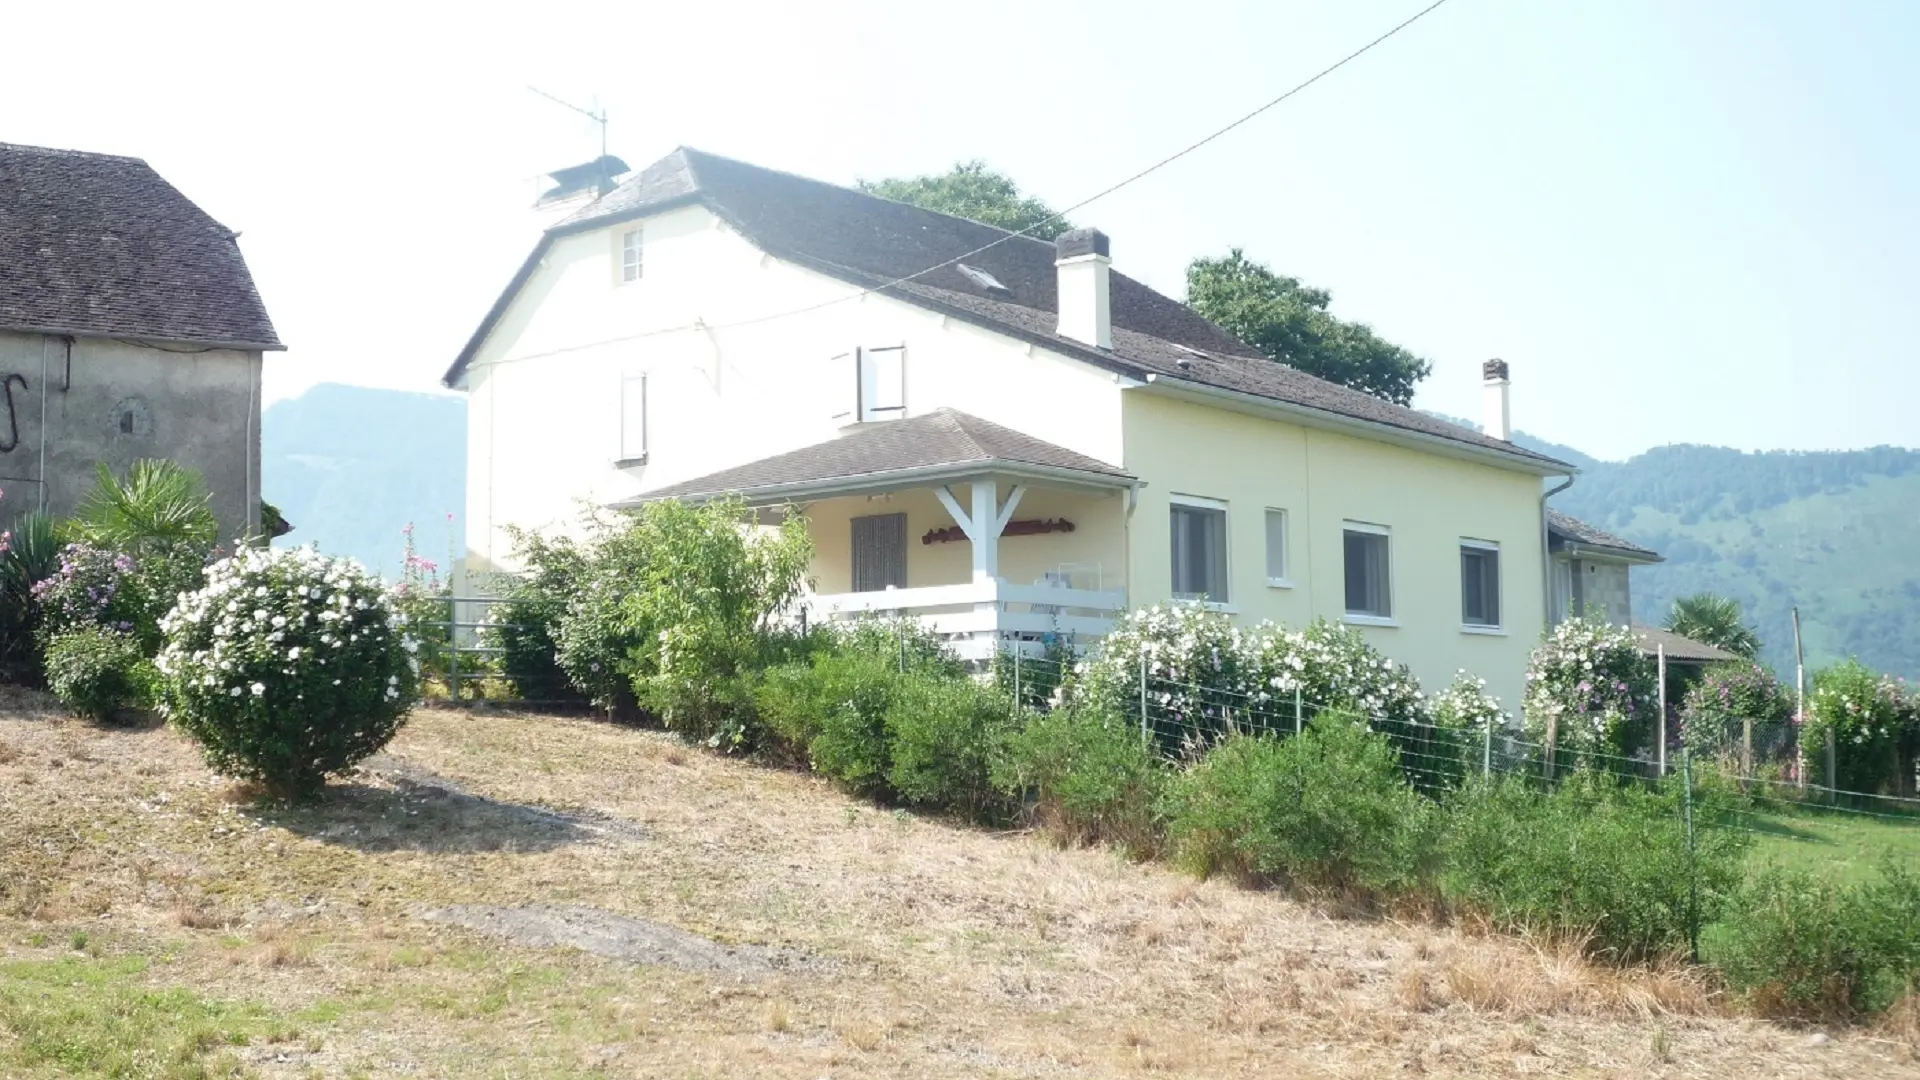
(1679, 649)
(938, 446)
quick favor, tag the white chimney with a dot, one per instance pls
(1086, 312)
(1497, 419)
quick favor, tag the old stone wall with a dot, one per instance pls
(119, 402)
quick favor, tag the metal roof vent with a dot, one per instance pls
(981, 278)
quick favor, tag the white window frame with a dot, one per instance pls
(1201, 502)
(1361, 618)
(626, 455)
(1284, 579)
(1498, 626)
(630, 257)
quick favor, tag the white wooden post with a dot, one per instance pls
(1660, 652)
(986, 538)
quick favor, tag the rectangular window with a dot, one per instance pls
(630, 253)
(1199, 550)
(1277, 547)
(633, 419)
(883, 383)
(1480, 583)
(1369, 588)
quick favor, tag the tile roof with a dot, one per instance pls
(100, 246)
(1684, 649)
(918, 444)
(873, 242)
(1565, 528)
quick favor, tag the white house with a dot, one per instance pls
(1001, 434)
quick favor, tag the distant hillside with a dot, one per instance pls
(351, 466)
(1837, 533)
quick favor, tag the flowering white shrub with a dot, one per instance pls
(1204, 677)
(1590, 683)
(1869, 715)
(1332, 667)
(1193, 663)
(1465, 705)
(288, 666)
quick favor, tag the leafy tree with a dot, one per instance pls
(1289, 321)
(971, 190)
(1716, 621)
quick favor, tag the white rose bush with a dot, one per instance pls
(288, 667)
(1589, 684)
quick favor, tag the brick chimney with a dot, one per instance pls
(1497, 419)
(1086, 312)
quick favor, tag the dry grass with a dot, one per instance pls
(949, 952)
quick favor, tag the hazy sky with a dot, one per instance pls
(1679, 222)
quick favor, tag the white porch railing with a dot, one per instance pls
(980, 617)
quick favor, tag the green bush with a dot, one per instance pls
(29, 552)
(525, 626)
(288, 667)
(98, 672)
(833, 711)
(1091, 777)
(945, 735)
(1801, 946)
(673, 596)
(1595, 857)
(1328, 808)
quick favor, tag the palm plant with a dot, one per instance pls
(160, 505)
(1714, 620)
(29, 553)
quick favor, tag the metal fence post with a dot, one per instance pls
(453, 655)
(1832, 773)
(1546, 756)
(1746, 750)
(1661, 704)
(1146, 737)
(1693, 873)
(1299, 714)
(1486, 761)
(1017, 650)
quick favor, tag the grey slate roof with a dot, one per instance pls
(1684, 649)
(98, 245)
(1563, 529)
(872, 242)
(918, 444)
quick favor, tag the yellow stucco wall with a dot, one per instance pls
(1323, 479)
(1099, 537)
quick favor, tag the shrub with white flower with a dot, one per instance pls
(1869, 715)
(1193, 663)
(288, 667)
(1589, 683)
(1331, 666)
(1465, 705)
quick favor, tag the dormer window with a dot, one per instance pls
(630, 254)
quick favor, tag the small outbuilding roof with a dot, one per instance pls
(1685, 650)
(941, 445)
(1565, 531)
(97, 245)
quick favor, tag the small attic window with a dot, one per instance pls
(981, 278)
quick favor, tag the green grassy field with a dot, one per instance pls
(1833, 843)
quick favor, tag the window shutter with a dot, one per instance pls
(879, 552)
(883, 389)
(1276, 545)
(633, 418)
(843, 378)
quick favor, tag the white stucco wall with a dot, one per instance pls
(543, 425)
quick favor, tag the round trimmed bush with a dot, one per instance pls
(97, 672)
(288, 667)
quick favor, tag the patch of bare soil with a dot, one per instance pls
(621, 937)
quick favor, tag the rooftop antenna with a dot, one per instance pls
(598, 117)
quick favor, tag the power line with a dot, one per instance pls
(1089, 200)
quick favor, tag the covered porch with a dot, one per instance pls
(993, 539)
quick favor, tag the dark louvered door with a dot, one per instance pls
(879, 552)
